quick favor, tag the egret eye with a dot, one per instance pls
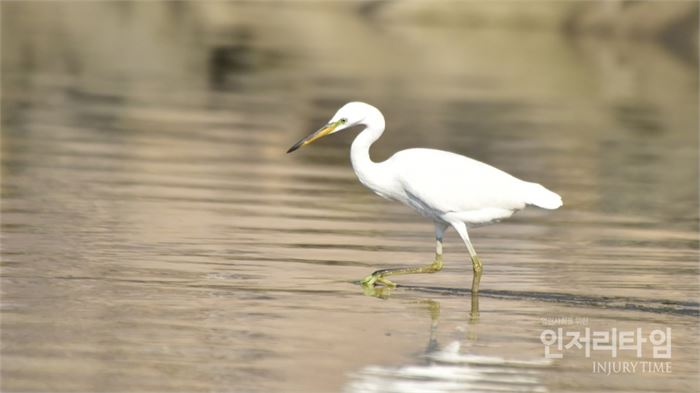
(343, 121)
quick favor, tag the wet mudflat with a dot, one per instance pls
(156, 237)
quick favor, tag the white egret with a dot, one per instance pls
(450, 189)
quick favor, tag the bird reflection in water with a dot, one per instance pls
(385, 293)
(448, 369)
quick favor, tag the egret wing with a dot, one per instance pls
(446, 182)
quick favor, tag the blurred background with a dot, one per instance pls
(156, 237)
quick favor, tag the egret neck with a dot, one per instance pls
(369, 172)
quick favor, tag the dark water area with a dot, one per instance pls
(156, 237)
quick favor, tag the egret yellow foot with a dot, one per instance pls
(377, 277)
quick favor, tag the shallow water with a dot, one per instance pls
(156, 237)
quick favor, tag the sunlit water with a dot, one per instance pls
(156, 237)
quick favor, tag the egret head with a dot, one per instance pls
(351, 114)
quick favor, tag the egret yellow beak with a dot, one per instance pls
(325, 130)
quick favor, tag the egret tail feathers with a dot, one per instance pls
(539, 196)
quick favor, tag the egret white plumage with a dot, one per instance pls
(451, 189)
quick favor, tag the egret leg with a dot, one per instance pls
(477, 266)
(379, 277)
(461, 229)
